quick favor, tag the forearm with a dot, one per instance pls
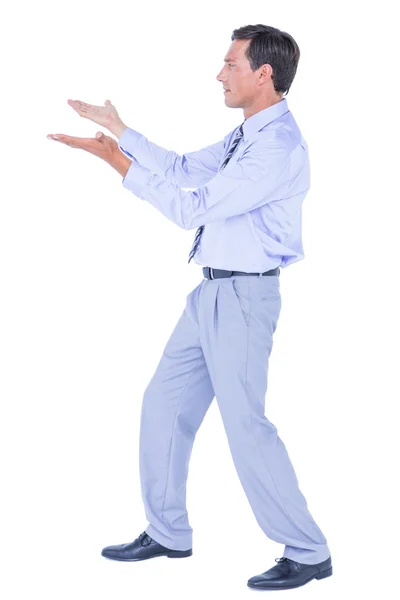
(120, 162)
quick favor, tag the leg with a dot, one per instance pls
(173, 408)
(238, 317)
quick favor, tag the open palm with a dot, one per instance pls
(106, 115)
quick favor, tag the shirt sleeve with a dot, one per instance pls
(261, 175)
(188, 170)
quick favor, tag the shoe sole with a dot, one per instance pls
(171, 554)
(321, 575)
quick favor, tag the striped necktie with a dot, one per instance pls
(238, 137)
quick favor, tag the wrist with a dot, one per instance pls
(117, 129)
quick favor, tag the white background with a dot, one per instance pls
(93, 281)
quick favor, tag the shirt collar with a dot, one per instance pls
(262, 118)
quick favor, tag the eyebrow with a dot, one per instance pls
(228, 59)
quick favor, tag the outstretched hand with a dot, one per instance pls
(102, 145)
(106, 116)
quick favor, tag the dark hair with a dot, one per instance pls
(272, 46)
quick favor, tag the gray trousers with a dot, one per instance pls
(220, 347)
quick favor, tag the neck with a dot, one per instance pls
(260, 104)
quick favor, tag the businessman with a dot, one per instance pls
(246, 216)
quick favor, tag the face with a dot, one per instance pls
(246, 87)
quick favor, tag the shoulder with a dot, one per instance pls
(267, 143)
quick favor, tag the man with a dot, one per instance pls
(246, 209)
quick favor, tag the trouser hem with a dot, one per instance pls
(179, 543)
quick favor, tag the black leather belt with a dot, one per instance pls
(211, 273)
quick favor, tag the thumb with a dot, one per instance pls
(99, 135)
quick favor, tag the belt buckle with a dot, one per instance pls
(211, 273)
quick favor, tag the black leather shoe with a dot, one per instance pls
(142, 548)
(290, 574)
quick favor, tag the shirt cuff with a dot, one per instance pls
(137, 178)
(128, 141)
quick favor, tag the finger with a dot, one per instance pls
(83, 104)
(80, 107)
(69, 140)
(58, 137)
(61, 138)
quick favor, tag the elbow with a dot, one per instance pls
(179, 219)
(192, 222)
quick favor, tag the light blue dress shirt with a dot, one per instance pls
(251, 210)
